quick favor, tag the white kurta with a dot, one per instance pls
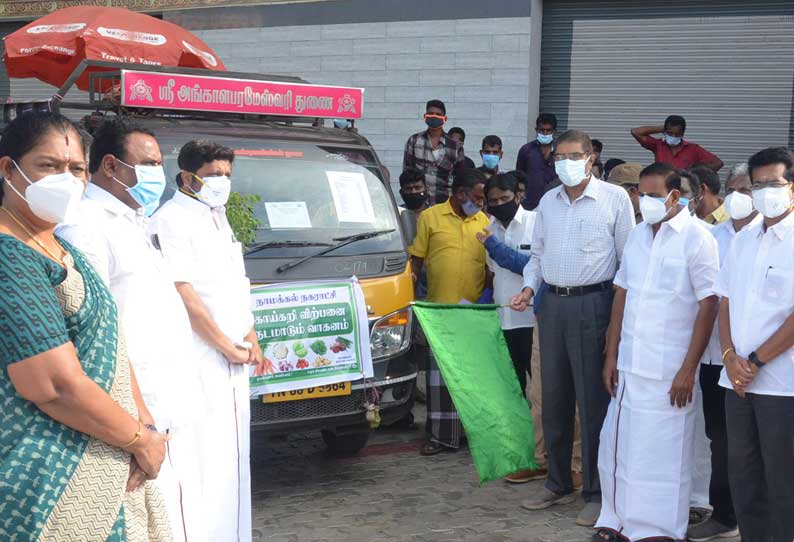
(159, 341)
(200, 249)
(646, 452)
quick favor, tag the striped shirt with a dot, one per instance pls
(437, 164)
(579, 243)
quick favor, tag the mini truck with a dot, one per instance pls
(284, 157)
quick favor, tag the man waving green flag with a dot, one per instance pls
(469, 346)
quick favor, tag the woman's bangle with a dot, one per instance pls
(138, 435)
(727, 351)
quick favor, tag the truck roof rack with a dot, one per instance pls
(109, 76)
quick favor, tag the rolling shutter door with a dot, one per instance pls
(727, 67)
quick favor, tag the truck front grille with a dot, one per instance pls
(264, 413)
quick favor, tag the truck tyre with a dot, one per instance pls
(344, 445)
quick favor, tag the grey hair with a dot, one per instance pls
(737, 171)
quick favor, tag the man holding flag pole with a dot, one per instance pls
(580, 230)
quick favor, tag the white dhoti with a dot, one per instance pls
(225, 448)
(645, 461)
(701, 466)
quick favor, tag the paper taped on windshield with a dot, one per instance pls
(287, 214)
(351, 196)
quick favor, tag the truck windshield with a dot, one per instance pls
(307, 196)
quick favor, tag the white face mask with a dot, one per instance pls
(653, 209)
(571, 172)
(54, 198)
(738, 205)
(773, 201)
(215, 191)
(673, 141)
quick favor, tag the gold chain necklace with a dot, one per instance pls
(33, 236)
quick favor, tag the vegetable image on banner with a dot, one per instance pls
(469, 346)
(314, 333)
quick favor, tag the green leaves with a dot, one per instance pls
(240, 212)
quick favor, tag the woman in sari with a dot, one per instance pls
(77, 444)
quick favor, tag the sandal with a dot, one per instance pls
(604, 535)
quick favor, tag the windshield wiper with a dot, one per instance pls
(256, 247)
(342, 242)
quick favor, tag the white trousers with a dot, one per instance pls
(701, 467)
(645, 461)
(225, 448)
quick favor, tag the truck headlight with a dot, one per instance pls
(391, 335)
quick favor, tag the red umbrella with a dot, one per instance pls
(51, 47)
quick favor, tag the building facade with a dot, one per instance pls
(604, 67)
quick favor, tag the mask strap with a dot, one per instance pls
(11, 186)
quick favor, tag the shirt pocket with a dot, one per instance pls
(673, 275)
(595, 237)
(777, 287)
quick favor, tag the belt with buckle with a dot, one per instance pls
(568, 291)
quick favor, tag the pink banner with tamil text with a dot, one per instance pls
(204, 93)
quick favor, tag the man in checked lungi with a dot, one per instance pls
(446, 243)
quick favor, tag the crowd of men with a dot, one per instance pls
(664, 312)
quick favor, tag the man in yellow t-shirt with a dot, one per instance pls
(446, 242)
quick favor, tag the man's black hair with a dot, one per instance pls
(502, 181)
(457, 130)
(611, 164)
(26, 131)
(520, 176)
(546, 118)
(672, 180)
(675, 120)
(492, 141)
(466, 179)
(436, 103)
(694, 180)
(597, 145)
(195, 154)
(410, 176)
(773, 155)
(111, 138)
(708, 178)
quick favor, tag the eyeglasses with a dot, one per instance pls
(571, 156)
(774, 183)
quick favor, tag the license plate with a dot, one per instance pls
(328, 390)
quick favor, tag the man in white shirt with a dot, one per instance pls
(206, 263)
(722, 523)
(511, 227)
(662, 318)
(580, 230)
(127, 181)
(756, 326)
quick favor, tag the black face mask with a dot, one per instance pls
(505, 212)
(414, 201)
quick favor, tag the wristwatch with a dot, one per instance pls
(753, 357)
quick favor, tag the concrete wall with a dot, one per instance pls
(478, 67)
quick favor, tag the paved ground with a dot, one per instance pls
(390, 493)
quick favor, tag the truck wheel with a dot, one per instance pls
(343, 445)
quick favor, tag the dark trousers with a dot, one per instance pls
(519, 344)
(572, 339)
(761, 465)
(714, 413)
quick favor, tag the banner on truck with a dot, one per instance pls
(227, 95)
(314, 333)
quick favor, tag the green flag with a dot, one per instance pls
(470, 349)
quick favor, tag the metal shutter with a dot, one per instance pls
(726, 66)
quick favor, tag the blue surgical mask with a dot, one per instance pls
(672, 140)
(683, 201)
(491, 161)
(149, 188)
(470, 208)
(545, 139)
(340, 123)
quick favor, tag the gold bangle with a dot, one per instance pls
(138, 435)
(727, 351)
